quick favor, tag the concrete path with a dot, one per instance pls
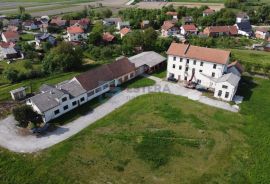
(12, 140)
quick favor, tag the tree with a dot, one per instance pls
(96, 34)
(28, 65)
(231, 3)
(149, 38)
(64, 57)
(21, 10)
(107, 13)
(24, 114)
(11, 74)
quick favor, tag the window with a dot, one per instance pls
(126, 78)
(64, 99)
(186, 69)
(180, 67)
(194, 62)
(227, 94)
(219, 93)
(174, 58)
(213, 74)
(56, 112)
(187, 61)
(214, 66)
(74, 103)
(65, 107)
(105, 86)
(98, 90)
(90, 93)
(181, 59)
(199, 81)
(131, 75)
(224, 87)
(201, 63)
(200, 71)
(82, 99)
(173, 65)
(185, 78)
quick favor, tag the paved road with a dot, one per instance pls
(12, 140)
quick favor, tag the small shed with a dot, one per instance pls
(18, 94)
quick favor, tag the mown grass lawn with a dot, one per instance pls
(139, 82)
(159, 138)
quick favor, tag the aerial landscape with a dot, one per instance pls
(134, 91)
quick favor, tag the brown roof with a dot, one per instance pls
(190, 27)
(108, 37)
(7, 44)
(223, 29)
(171, 13)
(237, 65)
(209, 11)
(167, 25)
(75, 30)
(200, 53)
(82, 22)
(262, 29)
(97, 76)
(11, 34)
(125, 31)
(58, 21)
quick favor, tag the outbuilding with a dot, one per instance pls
(18, 94)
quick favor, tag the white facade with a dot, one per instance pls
(182, 69)
(225, 91)
(170, 32)
(76, 36)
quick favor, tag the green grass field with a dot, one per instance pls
(159, 138)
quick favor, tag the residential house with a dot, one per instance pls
(107, 37)
(10, 36)
(58, 22)
(111, 21)
(242, 17)
(169, 29)
(18, 94)
(54, 101)
(44, 27)
(121, 25)
(216, 31)
(189, 29)
(45, 19)
(174, 15)
(83, 23)
(187, 20)
(123, 32)
(75, 33)
(208, 12)
(30, 25)
(262, 33)
(8, 51)
(145, 24)
(244, 28)
(235, 68)
(44, 37)
(12, 28)
(204, 67)
(147, 62)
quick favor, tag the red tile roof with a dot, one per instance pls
(209, 11)
(82, 22)
(171, 13)
(190, 27)
(199, 53)
(167, 25)
(108, 37)
(75, 30)
(232, 30)
(7, 44)
(11, 34)
(125, 31)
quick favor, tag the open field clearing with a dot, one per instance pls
(159, 138)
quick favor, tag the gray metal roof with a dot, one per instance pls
(149, 58)
(18, 90)
(6, 51)
(230, 78)
(73, 88)
(47, 100)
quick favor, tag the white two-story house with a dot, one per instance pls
(75, 33)
(198, 65)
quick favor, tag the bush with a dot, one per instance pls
(24, 115)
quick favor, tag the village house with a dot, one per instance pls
(208, 12)
(169, 29)
(54, 101)
(244, 28)
(83, 23)
(75, 33)
(262, 33)
(10, 36)
(31, 25)
(121, 25)
(216, 31)
(111, 21)
(145, 24)
(174, 15)
(8, 51)
(189, 29)
(44, 37)
(242, 17)
(123, 32)
(18, 94)
(107, 37)
(205, 67)
(58, 22)
(187, 20)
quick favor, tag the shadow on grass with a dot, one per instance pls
(246, 87)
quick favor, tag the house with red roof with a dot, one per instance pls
(108, 37)
(83, 23)
(208, 12)
(123, 32)
(262, 33)
(189, 29)
(58, 22)
(215, 31)
(169, 29)
(174, 15)
(75, 33)
(10, 36)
